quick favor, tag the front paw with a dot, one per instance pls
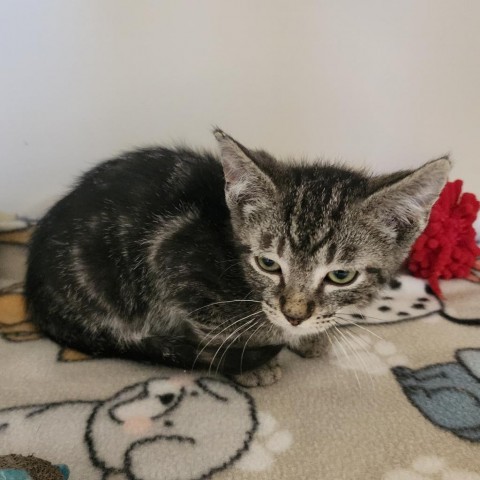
(262, 376)
(312, 347)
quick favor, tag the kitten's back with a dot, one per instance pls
(89, 269)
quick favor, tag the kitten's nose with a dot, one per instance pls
(296, 309)
(295, 320)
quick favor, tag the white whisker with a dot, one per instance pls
(246, 327)
(219, 333)
(245, 346)
(219, 303)
(221, 345)
(346, 354)
(358, 325)
(357, 355)
(363, 316)
(332, 344)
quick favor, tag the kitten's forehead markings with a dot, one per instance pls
(348, 253)
(331, 252)
(310, 245)
(295, 229)
(339, 199)
(266, 240)
(308, 230)
(323, 241)
(281, 246)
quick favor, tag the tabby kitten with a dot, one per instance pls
(175, 257)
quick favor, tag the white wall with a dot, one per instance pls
(383, 83)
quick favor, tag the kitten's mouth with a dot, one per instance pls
(293, 321)
(291, 326)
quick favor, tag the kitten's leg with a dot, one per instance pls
(267, 374)
(310, 347)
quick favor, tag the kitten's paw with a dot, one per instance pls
(265, 375)
(318, 346)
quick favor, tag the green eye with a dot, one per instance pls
(342, 277)
(268, 264)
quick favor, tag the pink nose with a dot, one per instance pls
(296, 311)
(296, 320)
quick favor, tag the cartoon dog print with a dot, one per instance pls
(171, 428)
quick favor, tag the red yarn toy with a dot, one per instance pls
(447, 248)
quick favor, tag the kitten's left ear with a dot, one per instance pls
(404, 205)
(245, 183)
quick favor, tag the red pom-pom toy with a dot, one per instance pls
(447, 248)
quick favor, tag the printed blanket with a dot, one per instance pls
(398, 398)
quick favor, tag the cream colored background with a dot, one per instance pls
(382, 83)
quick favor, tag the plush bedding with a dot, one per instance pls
(397, 398)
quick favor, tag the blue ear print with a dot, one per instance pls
(11, 474)
(64, 470)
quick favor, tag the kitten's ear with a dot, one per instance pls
(245, 182)
(404, 203)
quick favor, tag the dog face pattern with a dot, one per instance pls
(404, 298)
(170, 428)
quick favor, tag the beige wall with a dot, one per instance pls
(387, 84)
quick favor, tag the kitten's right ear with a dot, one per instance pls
(245, 184)
(404, 204)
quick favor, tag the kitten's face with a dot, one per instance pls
(309, 263)
(319, 240)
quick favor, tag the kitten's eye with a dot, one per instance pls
(268, 264)
(342, 277)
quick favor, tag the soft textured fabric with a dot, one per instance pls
(20, 467)
(398, 398)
